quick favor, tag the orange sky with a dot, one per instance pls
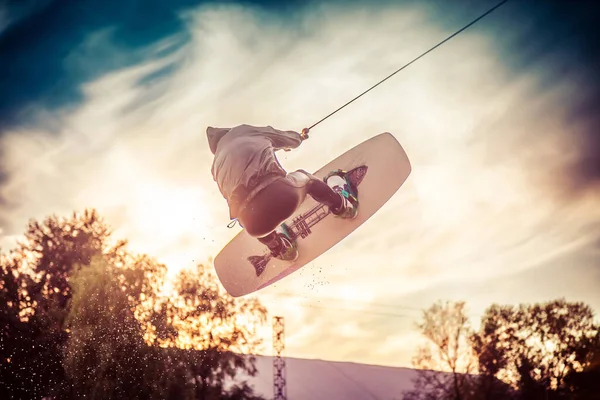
(484, 216)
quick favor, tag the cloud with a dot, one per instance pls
(485, 202)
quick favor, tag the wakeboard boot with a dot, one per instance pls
(282, 246)
(339, 182)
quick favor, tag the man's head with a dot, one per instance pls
(214, 135)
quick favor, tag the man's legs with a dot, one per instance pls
(267, 211)
(320, 191)
(280, 245)
(335, 193)
(278, 201)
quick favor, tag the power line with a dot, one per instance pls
(364, 311)
(406, 65)
(385, 314)
(328, 299)
(371, 312)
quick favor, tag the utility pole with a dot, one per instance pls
(279, 388)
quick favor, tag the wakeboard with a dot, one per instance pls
(376, 168)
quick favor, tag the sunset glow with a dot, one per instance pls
(495, 210)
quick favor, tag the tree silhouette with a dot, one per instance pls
(199, 295)
(535, 347)
(446, 328)
(104, 356)
(546, 351)
(585, 384)
(491, 360)
(81, 315)
(41, 264)
(17, 336)
(214, 327)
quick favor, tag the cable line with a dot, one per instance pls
(306, 130)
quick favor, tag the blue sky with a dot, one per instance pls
(43, 42)
(104, 104)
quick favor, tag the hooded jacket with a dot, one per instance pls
(245, 160)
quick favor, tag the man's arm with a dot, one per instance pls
(282, 139)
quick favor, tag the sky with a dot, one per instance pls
(107, 107)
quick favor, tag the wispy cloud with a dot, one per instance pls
(485, 203)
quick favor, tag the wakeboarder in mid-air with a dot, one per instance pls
(260, 194)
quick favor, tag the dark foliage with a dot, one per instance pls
(81, 317)
(548, 351)
(536, 347)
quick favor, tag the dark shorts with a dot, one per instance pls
(275, 203)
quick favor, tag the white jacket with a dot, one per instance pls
(245, 160)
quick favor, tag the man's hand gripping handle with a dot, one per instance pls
(304, 136)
